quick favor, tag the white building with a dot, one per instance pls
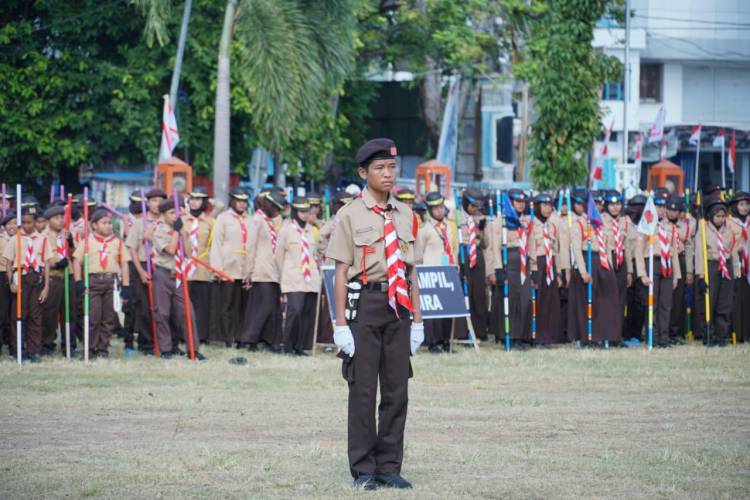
(693, 58)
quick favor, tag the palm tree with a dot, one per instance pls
(294, 56)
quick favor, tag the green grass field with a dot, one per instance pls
(540, 424)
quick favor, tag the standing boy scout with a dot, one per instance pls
(685, 227)
(228, 254)
(474, 243)
(373, 246)
(32, 282)
(55, 264)
(7, 237)
(107, 265)
(436, 244)
(168, 293)
(299, 276)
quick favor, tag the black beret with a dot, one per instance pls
(301, 204)
(405, 194)
(638, 199)
(156, 193)
(32, 210)
(597, 195)
(375, 149)
(314, 198)
(660, 196)
(78, 200)
(676, 202)
(53, 211)
(135, 196)
(713, 204)
(239, 194)
(9, 216)
(713, 188)
(434, 199)
(543, 198)
(166, 205)
(739, 196)
(99, 214)
(473, 196)
(198, 192)
(420, 207)
(277, 199)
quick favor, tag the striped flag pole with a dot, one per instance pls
(533, 286)
(68, 211)
(86, 327)
(589, 294)
(506, 286)
(651, 292)
(464, 280)
(19, 309)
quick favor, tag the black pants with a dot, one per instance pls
(477, 293)
(721, 295)
(230, 301)
(741, 318)
(31, 314)
(5, 300)
(200, 296)
(53, 311)
(381, 355)
(139, 305)
(437, 332)
(679, 306)
(662, 305)
(263, 315)
(300, 320)
(519, 297)
(548, 306)
(637, 309)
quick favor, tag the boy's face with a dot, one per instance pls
(11, 227)
(240, 206)
(27, 223)
(57, 223)
(578, 208)
(40, 224)
(170, 216)
(673, 214)
(380, 174)
(153, 204)
(103, 226)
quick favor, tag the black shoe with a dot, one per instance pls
(167, 355)
(102, 354)
(177, 351)
(200, 357)
(252, 347)
(227, 344)
(366, 482)
(434, 349)
(32, 358)
(392, 481)
(300, 352)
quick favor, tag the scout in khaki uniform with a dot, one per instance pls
(474, 268)
(263, 321)
(169, 296)
(300, 278)
(196, 235)
(7, 238)
(32, 283)
(55, 263)
(436, 243)
(407, 197)
(549, 257)
(606, 314)
(107, 264)
(576, 287)
(141, 231)
(740, 222)
(685, 227)
(723, 268)
(667, 271)
(373, 246)
(138, 300)
(616, 228)
(315, 215)
(325, 327)
(637, 296)
(228, 254)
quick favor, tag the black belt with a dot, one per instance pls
(102, 276)
(380, 286)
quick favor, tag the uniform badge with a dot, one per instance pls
(404, 246)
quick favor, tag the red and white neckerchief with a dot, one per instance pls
(601, 240)
(471, 225)
(103, 249)
(665, 248)
(442, 228)
(304, 252)
(193, 240)
(60, 247)
(30, 261)
(154, 225)
(398, 288)
(178, 268)
(243, 228)
(618, 237)
(744, 248)
(721, 250)
(271, 229)
(522, 250)
(549, 258)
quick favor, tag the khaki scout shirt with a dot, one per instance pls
(493, 253)
(198, 246)
(162, 238)
(261, 264)
(115, 253)
(51, 255)
(631, 240)
(135, 239)
(289, 259)
(623, 224)
(642, 250)
(481, 240)
(430, 244)
(324, 237)
(731, 249)
(4, 242)
(579, 242)
(358, 242)
(686, 227)
(743, 244)
(37, 243)
(229, 248)
(560, 252)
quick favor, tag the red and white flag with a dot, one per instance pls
(638, 149)
(732, 160)
(695, 135)
(719, 139)
(656, 132)
(649, 218)
(170, 135)
(597, 172)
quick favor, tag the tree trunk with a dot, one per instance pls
(430, 93)
(223, 107)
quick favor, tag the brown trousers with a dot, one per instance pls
(576, 307)
(263, 315)
(519, 297)
(381, 354)
(200, 296)
(31, 314)
(679, 306)
(53, 311)
(170, 306)
(5, 301)
(741, 318)
(230, 301)
(101, 312)
(325, 325)
(662, 304)
(300, 320)
(547, 306)
(637, 297)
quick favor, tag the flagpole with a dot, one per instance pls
(86, 332)
(68, 210)
(506, 305)
(180, 52)
(723, 169)
(533, 287)
(19, 309)
(184, 279)
(589, 309)
(650, 292)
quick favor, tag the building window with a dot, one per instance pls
(651, 82)
(612, 91)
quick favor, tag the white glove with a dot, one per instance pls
(417, 336)
(344, 340)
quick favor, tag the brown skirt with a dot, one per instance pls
(607, 314)
(519, 297)
(547, 307)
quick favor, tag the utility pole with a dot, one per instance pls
(626, 87)
(180, 53)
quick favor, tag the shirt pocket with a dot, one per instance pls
(368, 249)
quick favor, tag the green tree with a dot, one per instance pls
(565, 76)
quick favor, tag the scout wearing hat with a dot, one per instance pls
(32, 283)
(437, 244)
(56, 261)
(138, 300)
(340, 199)
(300, 278)
(7, 237)
(739, 208)
(262, 274)
(314, 216)
(549, 257)
(107, 257)
(228, 254)
(169, 297)
(420, 210)
(576, 314)
(136, 246)
(406, 196)
(196, 229)
(617, 227)
(637, 296)
(723, 268)
(667, 270)
(685, 228)
(373, 246)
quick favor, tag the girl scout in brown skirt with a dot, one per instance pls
(616, 227)
(740, 221)
(576, 286)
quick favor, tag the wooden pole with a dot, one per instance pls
(19, 309)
